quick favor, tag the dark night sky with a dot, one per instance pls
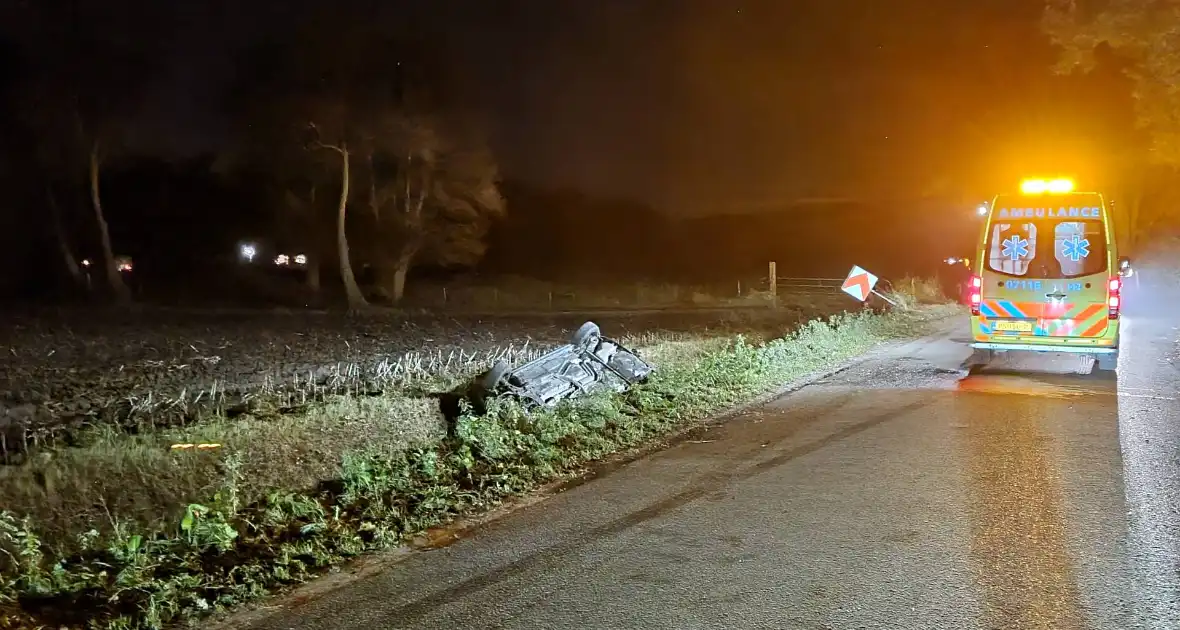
(701, 105)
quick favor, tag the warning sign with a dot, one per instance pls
(859, 283)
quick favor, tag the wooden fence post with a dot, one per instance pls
(772, 282)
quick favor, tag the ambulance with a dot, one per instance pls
(1048, 277)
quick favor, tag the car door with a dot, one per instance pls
(1012, 295)
(1075, 302)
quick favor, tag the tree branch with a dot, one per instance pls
(341, 148)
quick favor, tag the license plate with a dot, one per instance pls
(1017, 326)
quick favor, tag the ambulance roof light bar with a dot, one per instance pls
(1041, 186)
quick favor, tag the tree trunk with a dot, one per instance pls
(356, 299)
(399, 283)
(399, 280)
(392, 272)
(400, 269)
(63, 243)
(118, 287)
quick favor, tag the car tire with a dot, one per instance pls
(1106, 364)
(494, 377)
(587, 337)
(978, 360)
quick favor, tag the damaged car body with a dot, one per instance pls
(589, 363)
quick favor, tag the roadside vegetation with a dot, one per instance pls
(911, 292)
(121, 529)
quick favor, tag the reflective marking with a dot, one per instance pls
(1043, 347)
(1012, 308)
(1094, 330)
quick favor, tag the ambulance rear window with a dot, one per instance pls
(1047, 247)
(1012, 248)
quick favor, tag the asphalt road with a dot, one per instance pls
(900, 493)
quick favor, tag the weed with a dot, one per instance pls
(912, 292)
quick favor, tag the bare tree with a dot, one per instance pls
(296, 100)
(338, 144)
(72, 150)
(80, 100)
(114, 278)
(366, 96)
(434, 198)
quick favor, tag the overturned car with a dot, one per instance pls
(588, 363)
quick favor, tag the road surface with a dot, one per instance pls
(899, 493)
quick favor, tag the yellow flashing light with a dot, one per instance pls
(1061, 186)
(1040, 186)
(1034, 186)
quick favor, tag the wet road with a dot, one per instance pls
(897, 494)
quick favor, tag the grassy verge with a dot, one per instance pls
(122, 531)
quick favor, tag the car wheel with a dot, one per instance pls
(587, 336)
(978, 360)
(1106, 365)
(494, 377)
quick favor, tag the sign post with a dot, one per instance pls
(860, 284)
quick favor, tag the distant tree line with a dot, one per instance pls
(355, 145)
(1139, 38)
(351, 144)
(347, 133)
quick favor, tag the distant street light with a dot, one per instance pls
(248, 252)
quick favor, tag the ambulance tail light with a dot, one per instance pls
(976, 294)
(1114, 298)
